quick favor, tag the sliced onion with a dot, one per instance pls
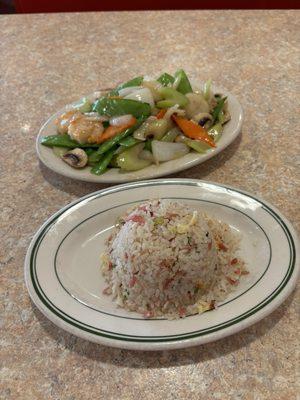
(122, 120)
(144, 95)
(172, 110)
(126, 91)
(166, 151)
(146, 155)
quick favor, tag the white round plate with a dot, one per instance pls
(113, 175)
(62, 266)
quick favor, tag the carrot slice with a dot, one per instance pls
(161, 113)
(112, 131)
(192, 130)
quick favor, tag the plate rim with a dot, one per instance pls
(258, 314)
(106, 179)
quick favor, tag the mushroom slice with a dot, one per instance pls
(76, 158)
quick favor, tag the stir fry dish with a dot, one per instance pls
(141, 122)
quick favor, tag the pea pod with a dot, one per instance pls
(218, 109)
(128, 141)
(184, 85)
(171, 97)
(165, 79)
(116, 107)
(102, 165)
(133, 82)
(64, 141)
(115, 140)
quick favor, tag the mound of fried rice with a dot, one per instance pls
(165, 259)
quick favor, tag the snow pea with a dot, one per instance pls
(115, 140)
(218, 109)
(184, 86)
(102, 165)
(165, 79)
(115, 107)
(128, 141)
(133, 82)
(64, 141)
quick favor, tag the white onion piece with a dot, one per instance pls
(126, 91)
(146, 155)
(166, 151)
(122, 120)
(144, 95)
(173, 110)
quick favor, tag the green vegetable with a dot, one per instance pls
(84, 106)
(165, 79)
(64, 141)
(184, 86)
(128, 142)
(218, 109)
(129, 159)
(206, 90)
(171, 97)
(197, 145)
(158, 220)
(148, 145)
(60, 151)
(171, 135)
(216, 131)
(102, 165)
(115, 140)
(113, 162)
(133, 82)
(117, 107)
(153, 128)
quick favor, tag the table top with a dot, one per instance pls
(48, 61)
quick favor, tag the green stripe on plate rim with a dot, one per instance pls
(140, 339)
(142, 200)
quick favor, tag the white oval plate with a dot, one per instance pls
(113, 175)
(62, 266)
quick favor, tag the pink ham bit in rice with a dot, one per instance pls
(136, 218)
(232, 281)
(169, 260)
(106, 290)
(182, 312)
(222, 246)
(244, 272)
(132, 281)
(148, 314)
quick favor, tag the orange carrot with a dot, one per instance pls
(112, 131)
(161, 113)
(192, 130)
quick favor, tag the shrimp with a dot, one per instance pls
(64, 120)
(84, 129)
(80, 127)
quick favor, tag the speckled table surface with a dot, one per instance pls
(47, 61)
